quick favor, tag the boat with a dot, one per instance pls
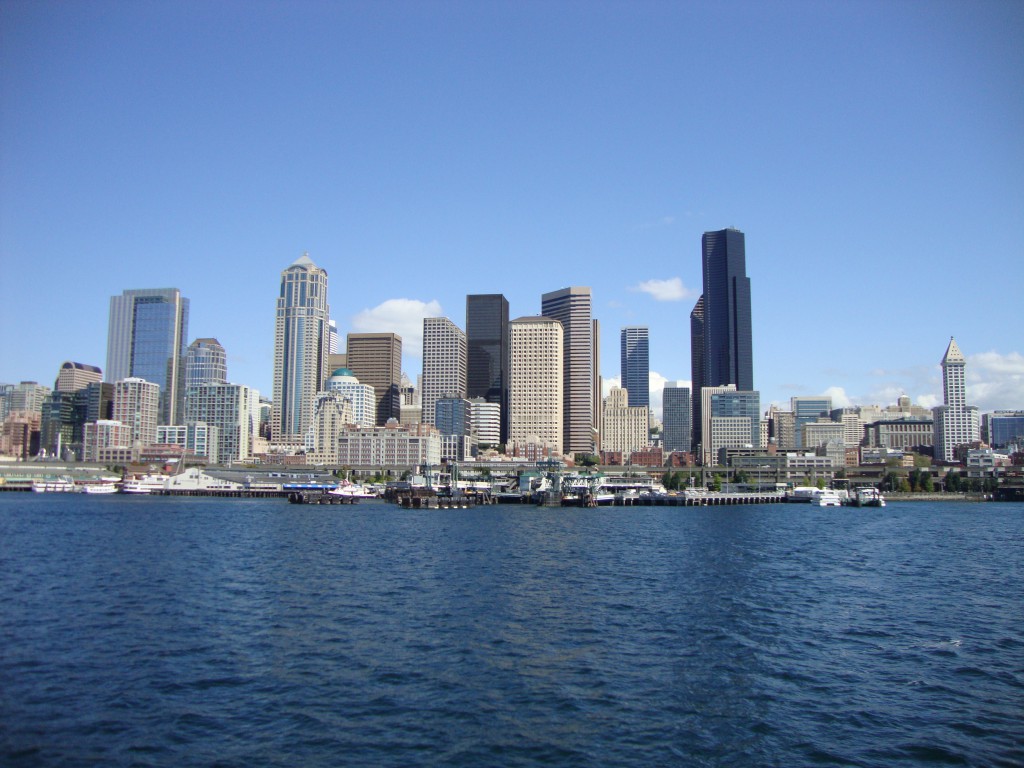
(101, 487)
(58, 485)
(869, 497)
(144, 484)
(827, 497)
(352, 491)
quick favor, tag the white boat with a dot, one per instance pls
(869, 497)
(59, 485)
(102, 487)
(144, 484)
(352, 491)
(827, 498)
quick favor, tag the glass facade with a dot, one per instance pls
(740, 404)
(675, 417)
(635, 364)
(487, 351)
(728, 345)
(1006, 429)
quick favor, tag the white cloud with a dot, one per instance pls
(928, 401)
(839, 397)
(995, 382)
(401, 316)
(665, 290)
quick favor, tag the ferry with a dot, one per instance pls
(59, 485)
(868, 497)
(827, 498)
(144, 484)
(100, 487)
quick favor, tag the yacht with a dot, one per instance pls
(827, 497)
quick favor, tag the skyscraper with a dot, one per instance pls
(376, 359)
(697, 372)
(206, 362)
(444, 363)
(728, 345)
(955, 422)
(146, 339)
(137, 405)
(300, 349)
(635, 365)
(75, 376)
(535, 382)
(675, 417)
(487, 351)
(572, 308)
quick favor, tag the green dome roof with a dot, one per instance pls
(343, 372)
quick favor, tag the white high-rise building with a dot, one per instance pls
(572, 308)
(444, 363)
(332, 412)
(361, 396)
(485, 418)
(206, 362)
(535, 382)
(955, 422)
(301, 347)
(234, 409)
(137, 405)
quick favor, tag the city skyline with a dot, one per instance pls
(600, 165)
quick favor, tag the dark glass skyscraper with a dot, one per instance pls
(722, 353)
(487, 351)
(728, 345)
(635, 370)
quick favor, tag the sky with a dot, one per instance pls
(871, 152)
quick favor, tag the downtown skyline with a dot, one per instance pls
(877, 175)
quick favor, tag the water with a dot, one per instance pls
(166, 632)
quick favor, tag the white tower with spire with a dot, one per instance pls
(956, 423)
(301, 346)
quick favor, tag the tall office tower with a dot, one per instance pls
(75, 376)
(955, 422)
(806, 410)
(1006, 429)
(206, 362)
(487, 351)
(696, 373)
(635, 364)
(137, 405)
(572, 308)
(453, 416)
(332, 337)
(675, 417)
(146, 339)
(597, 412)
(300, 349)
(535, 395)
(728, 345)
(235, 410)
(376, 359)
(444, 363)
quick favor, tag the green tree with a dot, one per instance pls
(953, 482)
(716, 482)
(926, 482)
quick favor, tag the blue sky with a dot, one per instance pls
(872, 152)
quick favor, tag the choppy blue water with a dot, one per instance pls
(163, 632)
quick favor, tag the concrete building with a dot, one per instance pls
(332, 413)
(389, 446)
(301, 347)
(485, 417)
(807, 410)
(625, 427)
(572, 308)
(956, 423)
(75, 376)
(108, 442)
(444, 363)
(234, 409)
(137, 405)
(376, 359)
(206, 362)
(901, 434)
(361, 396)
(199, 440)
(146, 339)
(536, 400)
